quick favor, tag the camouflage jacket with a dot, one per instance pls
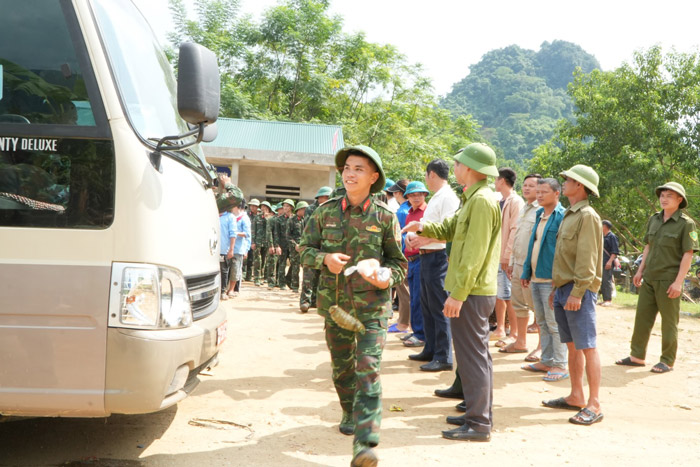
(257, 229)
(269, 237)
(310, 210)
(361, 232)
(295, 225)
(283, 231)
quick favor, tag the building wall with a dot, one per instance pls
(253, 180)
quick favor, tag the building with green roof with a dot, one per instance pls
(276, 160)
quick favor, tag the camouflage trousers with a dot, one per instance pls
(309, 286)
(356, 360)
(248, 266)
(283, 277)
(257, 261)
(294, 268)
(270, 268)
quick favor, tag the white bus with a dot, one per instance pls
(109, 255)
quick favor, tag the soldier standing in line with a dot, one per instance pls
(271, 257)
(296, 227)
(343, 232)
(257, 237)
(284, 276)
(310, 276)
(265, 213)
(277, 238)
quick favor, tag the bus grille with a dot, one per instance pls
(204, 292)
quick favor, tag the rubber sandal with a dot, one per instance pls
(560, 403)
(532, 358)
(406, 336)
(531, 367)
(661, 367)
(554, 376)
(413, 341)
(627, 361)
(395, 328)
(586, 417)
(512, 350)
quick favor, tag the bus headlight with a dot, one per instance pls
(147, 296)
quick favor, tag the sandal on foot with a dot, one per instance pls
(504, 341)
(511, 350)
(560, 403)
(627, 361)
(586, 417)
(553, 376)
(531, 367)
(395, 328)
(413, 341)
(661, 367)
(532, 358)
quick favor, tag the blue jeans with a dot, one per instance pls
(414, 288)
(554, 352)
(438, 336)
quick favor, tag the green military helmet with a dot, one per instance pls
(673, 186)
(342, 155)
(277, 207)
(479, 157)
(585, 175)
(254, 202)
(323, 191)
(301, 205)
(289, 202)
(230, 198)
(265, 203)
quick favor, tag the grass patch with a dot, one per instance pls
(630, 300)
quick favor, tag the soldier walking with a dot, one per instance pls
(309, 283)
(296, 227)
(342, 232)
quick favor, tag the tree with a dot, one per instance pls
(637, 126)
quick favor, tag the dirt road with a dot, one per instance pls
(271, 402)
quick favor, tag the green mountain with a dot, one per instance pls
(518, 95)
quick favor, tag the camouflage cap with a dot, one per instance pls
(341, 155)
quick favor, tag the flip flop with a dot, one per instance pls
(661, 367)
(531, 367)
(554, 376)
(513, 350)
(560, 403)
(504, 341)
(586, 417)
(395, 328)
(532, 358)
(493, 337)
(405, 336)
(627, 361)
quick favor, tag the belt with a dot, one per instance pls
(427, 251)
(412, 258)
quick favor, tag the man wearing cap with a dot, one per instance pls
(283, 247)
(402, 293)
(296, 227)
(433, 269)
(475, 233)
(339, 234)
(671, 239)
(309, 284)
(576, 274)
(416, 193)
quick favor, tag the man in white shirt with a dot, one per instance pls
(433, 268)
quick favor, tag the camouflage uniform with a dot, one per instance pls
(296, 227)
(270, 258)
(258, 239)
(361, 232)
(310, 277)
(283, 232)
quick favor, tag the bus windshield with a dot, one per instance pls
(142, 72)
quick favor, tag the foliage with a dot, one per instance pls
(298, 65)
(519, 95)
(637, 126)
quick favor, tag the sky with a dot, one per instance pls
(447, 36)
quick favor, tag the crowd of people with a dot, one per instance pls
(466, 271)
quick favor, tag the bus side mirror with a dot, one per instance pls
(198, 84)
(210, 132)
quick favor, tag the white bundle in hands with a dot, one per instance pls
(367, 268)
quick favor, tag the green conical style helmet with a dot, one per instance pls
(301, 205)
(342, 155)
(323, 191)
(479, 157)
(289, 202)
(265, 203)
(585, 175)
(254, 202)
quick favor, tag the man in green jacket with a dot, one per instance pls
(340, 233)
(670, 240)
(475, 233)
